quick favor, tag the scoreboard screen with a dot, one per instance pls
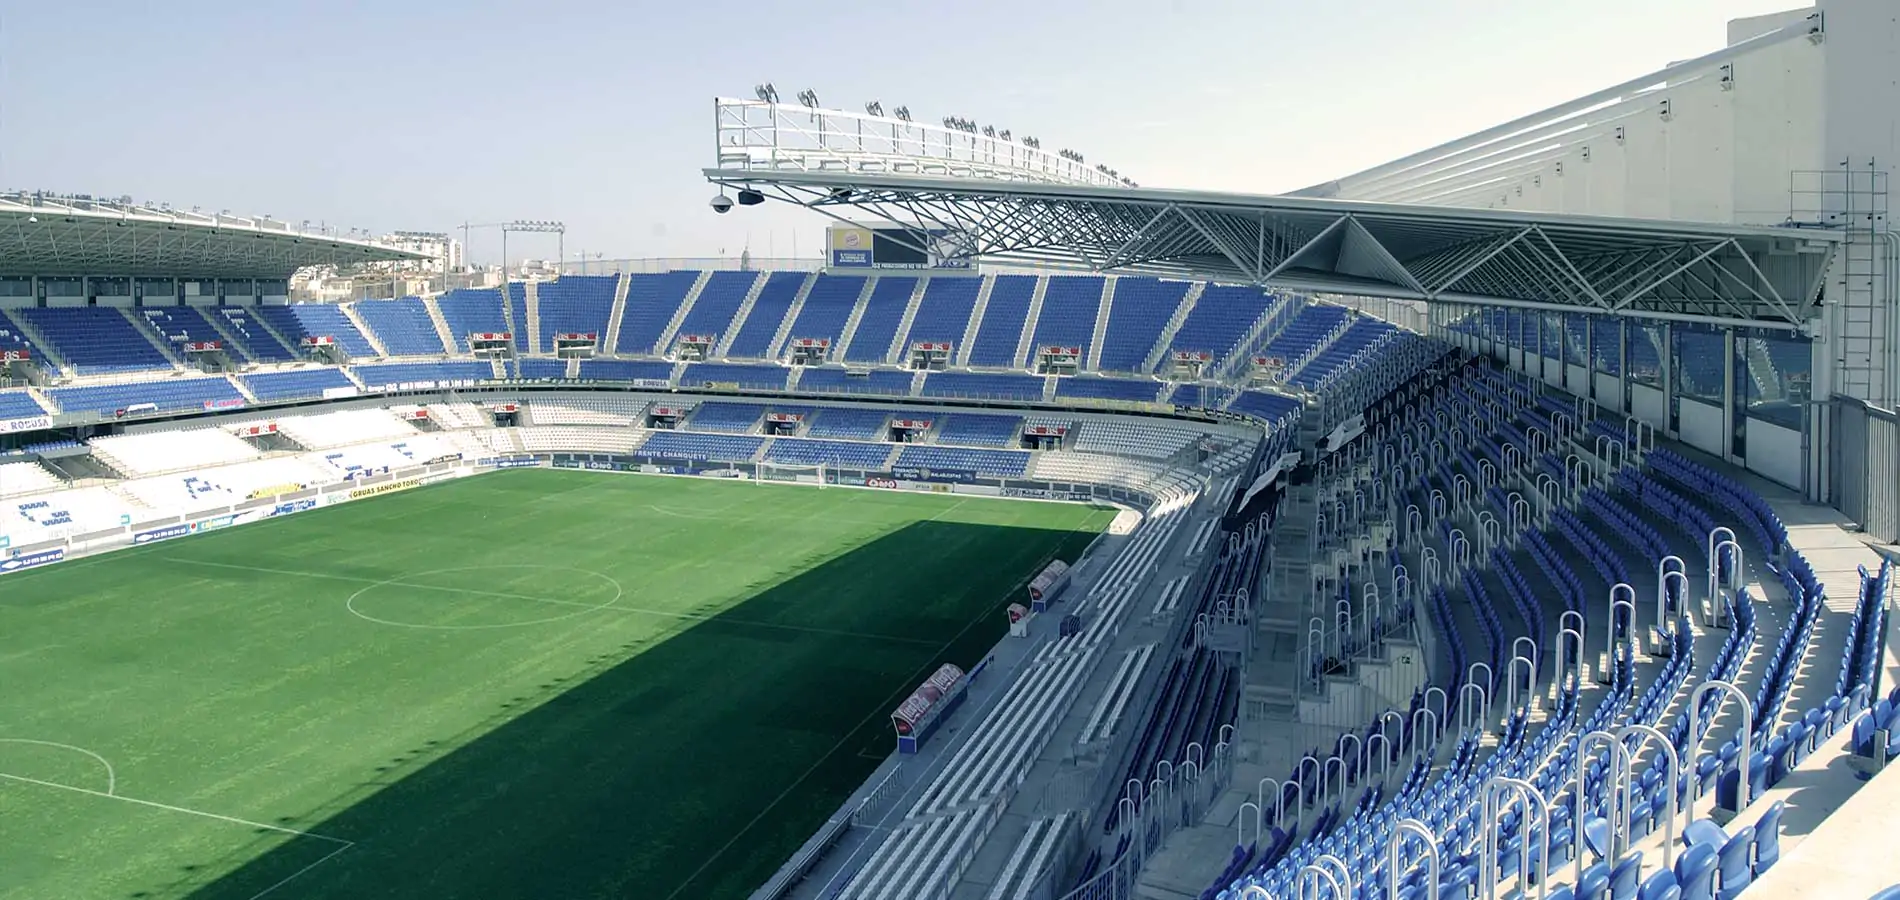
(891, 247)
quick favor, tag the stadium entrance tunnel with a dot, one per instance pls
(688, 766)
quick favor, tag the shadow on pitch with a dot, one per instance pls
(623, 780)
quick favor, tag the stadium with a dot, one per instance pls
(1511, 518)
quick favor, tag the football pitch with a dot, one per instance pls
(531, 684)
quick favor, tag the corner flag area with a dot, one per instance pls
(528, 684)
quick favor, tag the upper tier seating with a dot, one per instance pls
(880, 382)
(167, 395)
(18, 478)
(1003, 319)
(1363, 333)
(387, 374)
(943, 316)
(984, 386)
(883, 313)
(151, 453)
(1093, 388)
(688, 446)
(769, 309)
(403, 326)
(574, 304)
(719, 301)
(1069, 306)
(1312, 326)
(981, 430)
(827, 306)
(317, 320)
(471, 311)
(94, 339)
(296, 384)
(985, 463)
(652, 301)
(253, 336)
(19, 405)
(626, 370)
(180, 325)
(1141, 308)
(846, 454)
(1219, 320)
(756, 378)
(12, 338)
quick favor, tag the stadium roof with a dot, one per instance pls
(1733, 274)
(46, 235)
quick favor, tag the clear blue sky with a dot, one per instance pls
(406, 114)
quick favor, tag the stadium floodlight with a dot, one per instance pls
(874, 108)
(809, 98)
(1004, 134)
(902, 112)
(989, 131)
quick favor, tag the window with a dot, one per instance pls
(1645, 354)
(1774, 369)
(1552, 342)
(1606, 333)
(1698, 365)
(1514, 329)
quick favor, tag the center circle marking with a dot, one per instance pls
(350, 604)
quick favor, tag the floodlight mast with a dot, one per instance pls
(539, 226)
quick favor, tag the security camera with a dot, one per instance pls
(722, 203)
(32, 220)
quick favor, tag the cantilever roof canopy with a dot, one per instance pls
(41, 235)
(1768, 277)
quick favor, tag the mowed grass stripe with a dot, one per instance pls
(604, 755)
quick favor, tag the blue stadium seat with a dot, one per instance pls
(471, 311)
(985, 463)
(1067, 319)
(854, 423)
(1093, 388)
(653, 300)
(168, 395)
(736, 418)
(1139, 310)
(876, 382)
(845, 454)
(626, 370)
(754, 340)
(984, 386)
(757, 378)
(685, 445)
(94, 339)
(253, 336)
(19, 405)
(574, 304)
(720, 300)
(1219, 320)
(943, 316)
(827, 305)
(296, 384)
(403, 325)
(981, 430)
(1003, 318)
(883, 312)
(316, 320)
(386, 374)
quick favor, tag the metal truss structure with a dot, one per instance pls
(763, 136)
(42, 234)
(1720, 274)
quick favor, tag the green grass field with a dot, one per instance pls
(534, 684)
